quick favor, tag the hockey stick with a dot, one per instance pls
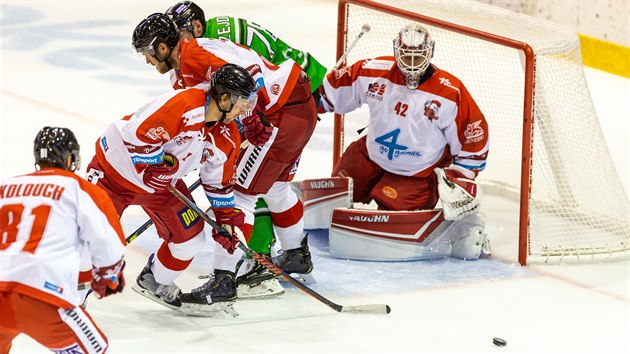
(149, 222)
(373, 309)
(364, 29)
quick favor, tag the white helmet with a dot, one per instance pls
(413, 49)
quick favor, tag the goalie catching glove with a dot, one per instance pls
(229, 220)
(108, 280)
(460, 194)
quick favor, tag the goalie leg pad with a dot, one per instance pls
(320, 196)
(469, 238)
(379, 235)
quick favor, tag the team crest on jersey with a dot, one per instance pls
(431, 109)
(206, 155)
(188, 217)
(474, 132)
(376, 91)
(275, 89)
(209, 73)
(158, 133)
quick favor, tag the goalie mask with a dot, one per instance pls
(413, 49)
(184, 13)
(54, 145)
(238, 83)
(153, 30)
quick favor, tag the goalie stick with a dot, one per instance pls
(149, 222)
(371, 309)
(364, 29)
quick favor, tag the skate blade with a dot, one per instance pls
(220, 310)
(265, 290)
(302, 278)
(150, 296)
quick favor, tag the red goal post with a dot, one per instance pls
(547, 150)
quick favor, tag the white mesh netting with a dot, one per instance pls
(577, 204)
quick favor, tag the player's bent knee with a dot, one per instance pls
(188, 249)
(469, 237)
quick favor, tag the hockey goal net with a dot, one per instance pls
(547, 150)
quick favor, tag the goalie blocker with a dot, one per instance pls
(378, 235)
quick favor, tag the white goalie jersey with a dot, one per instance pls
(409, 130)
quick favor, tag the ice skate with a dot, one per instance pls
(297, 262)
(257, 282)
(165, 295)
(215, 298)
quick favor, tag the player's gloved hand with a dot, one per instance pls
(108, 280)
(459, 193)
(257, 129)
(159, 177)
(229, 219)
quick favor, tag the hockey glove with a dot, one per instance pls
(229, 220)
(459, 194)
(257, 129)
(108, 280)
(159, 177)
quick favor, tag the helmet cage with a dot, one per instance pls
(413, 49)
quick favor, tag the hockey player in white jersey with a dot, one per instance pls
(48, 218)
(426, 140)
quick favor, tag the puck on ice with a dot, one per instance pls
(499, 342)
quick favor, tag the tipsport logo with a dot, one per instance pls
(188, 217)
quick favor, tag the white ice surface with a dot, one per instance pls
(67, 63)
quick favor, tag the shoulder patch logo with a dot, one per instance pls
(474, 132)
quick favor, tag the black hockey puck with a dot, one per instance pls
(499, 342)
(388, 309)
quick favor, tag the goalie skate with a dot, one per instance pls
(257, 282)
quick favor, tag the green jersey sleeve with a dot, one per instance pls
(265, 43)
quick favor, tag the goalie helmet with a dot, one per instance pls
(184, 13)
(413, 49)
(153, 30)
(54, 145)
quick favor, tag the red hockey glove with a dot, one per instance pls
(159, 177)
(229, 220)
(257, 130)
(108, 280)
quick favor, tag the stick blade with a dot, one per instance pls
(378, 309)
